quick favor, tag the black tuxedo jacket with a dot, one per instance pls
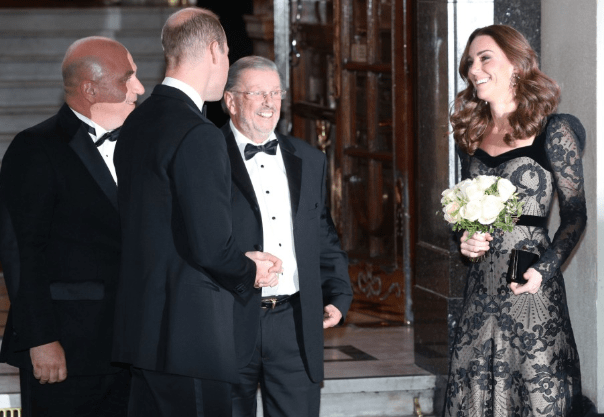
(181, 268)
(322, 264)
(60, 245)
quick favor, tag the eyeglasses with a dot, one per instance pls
(261, 95)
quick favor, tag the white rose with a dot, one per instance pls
(461, 186)
(448, 196)
(458, 194)
(505, 189)
(471, 211)
(491, 207)
(485, 181)
(473, 192)
(451, 211)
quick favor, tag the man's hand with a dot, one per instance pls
(49, 363)
(331, 316)
(268, 268)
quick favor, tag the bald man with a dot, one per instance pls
(59, 198)
(182, 273)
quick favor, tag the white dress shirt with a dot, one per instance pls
(185, 88)
(269, 179)
(106, 149)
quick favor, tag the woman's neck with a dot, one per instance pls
(499, 115)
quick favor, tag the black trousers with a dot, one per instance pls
(157, 394)
(77, 396)
(277, 365)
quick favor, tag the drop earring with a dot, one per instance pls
(514, 80)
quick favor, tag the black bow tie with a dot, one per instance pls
(110, 136)
(251, 150)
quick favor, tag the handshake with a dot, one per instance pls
(268, 268)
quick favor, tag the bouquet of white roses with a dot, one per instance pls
(482, 204)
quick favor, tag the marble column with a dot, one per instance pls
(572, 46)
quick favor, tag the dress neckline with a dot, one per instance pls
(508, 151)
(529, 150)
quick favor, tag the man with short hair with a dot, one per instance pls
(182, 271)
(61, 240)
(278, 200)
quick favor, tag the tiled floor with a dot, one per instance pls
(369, 355)
(354, 351)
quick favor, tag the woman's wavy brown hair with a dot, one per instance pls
(536, 95)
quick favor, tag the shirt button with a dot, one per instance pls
(268, 192)
(261, 166)
(274, 218)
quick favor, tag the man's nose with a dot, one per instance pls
(138, 87)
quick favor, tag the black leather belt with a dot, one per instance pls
(528, 220)
(277, 300)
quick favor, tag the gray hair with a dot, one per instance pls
(250, 62)
(88, 66)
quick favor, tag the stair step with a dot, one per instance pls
(364, 404)
(16, 119)
(346, 392)
(374, 397)
(9, 386)
(88, 19)
(34, 42)
(11, 400)
(352, 397)
(48, 68)
(5, 140)
(53, 43)
(46, 93)
(34, 93)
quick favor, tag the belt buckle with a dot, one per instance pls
(273, 301)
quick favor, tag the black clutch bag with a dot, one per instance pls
(520, 261)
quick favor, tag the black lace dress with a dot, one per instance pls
(516, 355)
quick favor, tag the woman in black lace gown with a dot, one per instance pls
(514, 352)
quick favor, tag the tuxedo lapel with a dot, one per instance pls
(79, 140)
(92, 159)
(293, 169)
(240, 176)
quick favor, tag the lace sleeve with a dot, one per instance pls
(565, 137)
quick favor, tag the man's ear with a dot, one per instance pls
(214, 50)
(229, 101)
(89, 91)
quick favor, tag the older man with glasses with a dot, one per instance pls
(278, 202)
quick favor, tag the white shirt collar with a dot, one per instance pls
(99, 130)
(185, 88)
(243, 140)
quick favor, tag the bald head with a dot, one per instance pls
(89, 59)
(99, 78)
(187, 34)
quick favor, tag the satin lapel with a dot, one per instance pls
(93, 161)
(293, 169)
(241, 177)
